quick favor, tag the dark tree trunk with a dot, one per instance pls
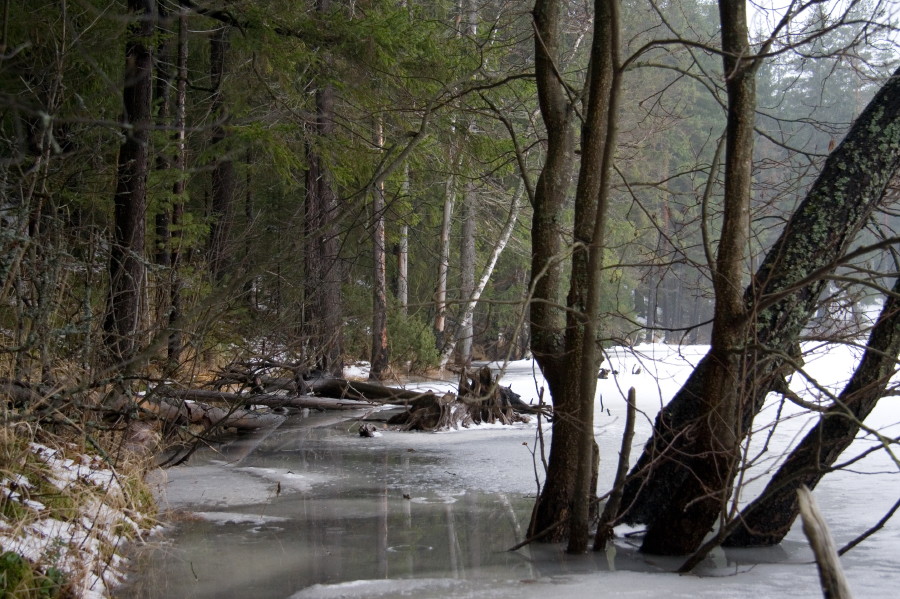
(127, 274)
(768, 519)
(547, 320)
(711, 451)
(583, 332)
(163, 254)
(572, 372)
(223, 177)
(323, 313)
(782, 296)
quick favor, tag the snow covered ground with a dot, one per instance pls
(86, 544)
(340, 516)
(852, 501)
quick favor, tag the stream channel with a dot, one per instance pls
(314, 510)
(311, 510)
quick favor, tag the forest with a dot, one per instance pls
(191, 187)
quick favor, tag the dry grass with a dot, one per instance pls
(66, 511)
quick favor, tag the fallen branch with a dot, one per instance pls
(831, 575)
(608, 518)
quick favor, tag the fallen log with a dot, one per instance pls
(333, 387)
(265, 399)
(190, 412)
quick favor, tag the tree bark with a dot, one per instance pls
(323, 311)
(711, 451)
(547, 319)
(380, 359)
(465, 329)
(571, 370)
(440, 294)
(176, 284)
(127, 274)
(583, 334)
(403, 252)
(769, 518)
(223, 176)
(264, 399)
(468, 308)
(831, 574)
(163, 101)
(781, 298)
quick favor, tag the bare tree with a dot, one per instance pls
(779, 302)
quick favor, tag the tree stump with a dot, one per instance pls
(478, 400)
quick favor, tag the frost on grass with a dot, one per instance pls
(71, 515)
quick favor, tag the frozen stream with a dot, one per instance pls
(314, 510)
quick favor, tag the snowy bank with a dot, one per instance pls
(69, 515)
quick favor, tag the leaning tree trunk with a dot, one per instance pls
(127, 273)
(465, 329)
(782, 296)
(768, 519)
(468, 308)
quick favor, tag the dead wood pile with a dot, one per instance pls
(479, 400)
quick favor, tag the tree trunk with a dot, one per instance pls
(782, 296)
(163, 101)
(380, 359)
(769, 518)
(547, 320)
(468, 308)
(465, 329)
(583, 334)
(323, 312)
(831, 574)
(178, 191)
(223, 176)
(403, 253)
(571, 371)
(440, 294)
(127, 274)
(711, 452)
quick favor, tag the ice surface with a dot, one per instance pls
(430, 515)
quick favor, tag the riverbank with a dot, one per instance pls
(66, 516)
